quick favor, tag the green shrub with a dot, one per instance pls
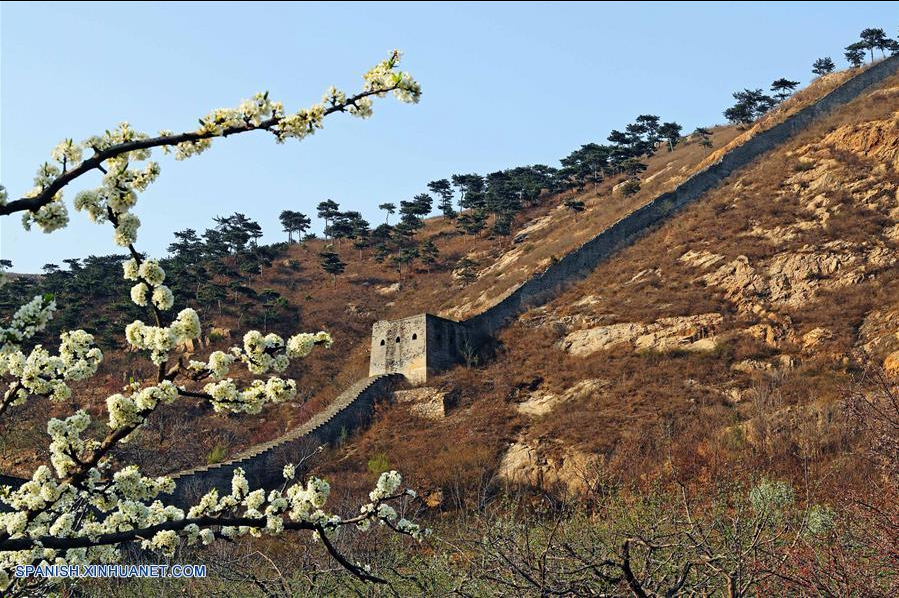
(217, 454)
(630, 187)
(378, 464)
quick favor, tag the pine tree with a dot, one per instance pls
(444, 191)
(327, 210)
(705, 136)
(360, 232)
(575, 206)
(823, 66)
(428, 253)
(855, 54)
(875, 39)
(650, 126)
(404, 257)
(472, 223)
(587, 165)
(466, 271)
(330, 262)
(471, 188)
(389, 208)
(751, 104)
(671, 133)
(783, 88)
(294, 222)
(341, 226)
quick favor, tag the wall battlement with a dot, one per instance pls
(417, 346)
(428, 344)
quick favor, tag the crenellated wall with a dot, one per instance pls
(437, 342)
(263, 464)
(575, 266)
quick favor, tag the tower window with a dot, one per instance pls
(414, 336)
(397, 339)
(382, 342)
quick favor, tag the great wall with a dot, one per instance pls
(413, 348)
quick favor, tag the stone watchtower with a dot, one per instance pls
(417, 346)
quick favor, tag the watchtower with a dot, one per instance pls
(417, 346)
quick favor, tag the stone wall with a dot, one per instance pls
(399, 346)
(575, 266)
(263, 464)
(416, 346)
(428, 344)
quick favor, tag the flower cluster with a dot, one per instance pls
(28, 320)
(130, 411)
(384, 76)
(127, 172)
(160, 340)
(123, 502)
(121, 183)
(49, 217)
(218, 365)
(86, 498)
(149, 276)
(41, 373)
(66, 444)
(225, 396)
(67, 153)
(262, 353)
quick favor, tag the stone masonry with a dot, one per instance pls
(422, 345)
(417, 346)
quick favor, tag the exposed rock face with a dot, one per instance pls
(528, 464)
(877, 140)
(891, 364)
(793, 279)
(389, 289)
(425, 402)
(815, 337)
(541, 403)
(689, 333)
(700, 259)
(879, 333)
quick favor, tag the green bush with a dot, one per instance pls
(378, 464)
(217, 454)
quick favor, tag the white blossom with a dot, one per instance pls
(386, 486)
(152, 272)
(67, 153)
(163, 298)
(49, 217)
(130, 270)
(126, 230)
(165, 542)
(139, 294)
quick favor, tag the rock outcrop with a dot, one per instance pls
(426, 402)
(685, 333)
(540, 403)
(528, 464)
(794, 278)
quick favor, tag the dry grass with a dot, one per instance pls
(646, 420)
(661, 413)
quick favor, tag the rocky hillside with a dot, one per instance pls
(722, 341)
(724, 337)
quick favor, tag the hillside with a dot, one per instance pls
(720, 343)
(813, 246)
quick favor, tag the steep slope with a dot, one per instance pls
(720, 342)
(370, 291)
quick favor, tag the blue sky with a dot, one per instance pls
(504, 84)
